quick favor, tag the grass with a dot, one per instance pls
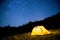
(26, 36)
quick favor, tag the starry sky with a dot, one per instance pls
(19, 12)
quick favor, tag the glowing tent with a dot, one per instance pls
(39, 30)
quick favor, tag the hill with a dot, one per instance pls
(52, 22)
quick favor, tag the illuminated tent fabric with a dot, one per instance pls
(39, 30)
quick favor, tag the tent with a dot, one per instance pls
(39, 30)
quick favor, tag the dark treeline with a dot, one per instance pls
(52, 22)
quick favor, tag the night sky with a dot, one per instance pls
(19, 12)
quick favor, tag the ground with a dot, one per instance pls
(55, 35)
